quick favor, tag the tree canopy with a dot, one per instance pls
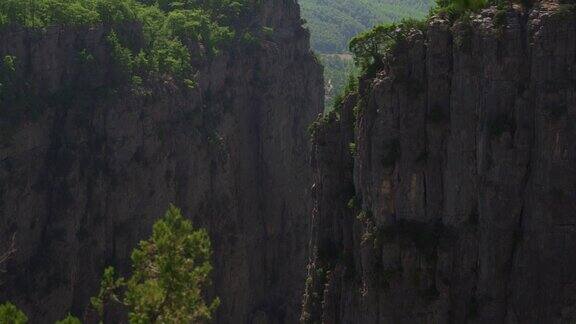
(170, 273)
(168, 282)
(167, 26)
(11, 314)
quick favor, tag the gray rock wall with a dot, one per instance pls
(458, 204)
(87, 166)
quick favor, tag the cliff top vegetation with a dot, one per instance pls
(170, 30)
(371, 47)
(42, 13)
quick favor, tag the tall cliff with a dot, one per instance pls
(445, 188)
(87, 166)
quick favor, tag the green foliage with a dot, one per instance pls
(7, 76)
(42, 13)
(462, 5)
(334, 22)
(500, 21)
(108, 287)
(371, 47)
(170, 273)
(339, 73)
(321, 122)
(166, 34)
(167, 25)
(69, 320)
(456, 9)
(121, 55)
(351, 87)
(191, 83)
(10, 314)
(3, 19)
(268, 31)
(9, 64)
(353, 203)
(85, 57)
(249, 39)
(352, 148)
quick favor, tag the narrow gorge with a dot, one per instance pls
(441, 188)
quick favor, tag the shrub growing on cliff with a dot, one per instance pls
(455, 9)
(168, 26)
(42, 13)
(7, 75)
(11, 314)
(462, 5)
(69, 320)
(167, 32)
(121, 55)
(370, 48)
(170, 272)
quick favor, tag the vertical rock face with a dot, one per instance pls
(458, 202)
(86, 168)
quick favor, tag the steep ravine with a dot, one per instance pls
(88, 167)
(455, 201)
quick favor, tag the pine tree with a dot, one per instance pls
(9, 314)
(170, 273)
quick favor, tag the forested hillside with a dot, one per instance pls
(334, 22)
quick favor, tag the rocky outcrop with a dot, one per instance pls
(87, 166)
(449, 197)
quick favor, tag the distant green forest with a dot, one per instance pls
(333, 23)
